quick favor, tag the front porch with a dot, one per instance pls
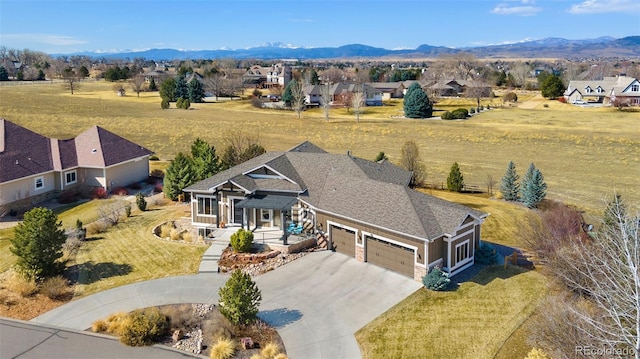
(269, 236)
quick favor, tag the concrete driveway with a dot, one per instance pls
(316, 302)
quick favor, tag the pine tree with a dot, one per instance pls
(38, 244)
(417, 103)
(534, 190)
(509, 186)
(168, 90)
(4, 75)
(181, 90)
(179, 174)
(152, 85)
(287, 96)
(239, 299)
(526, 179)
(315, 79)
(455, 181)
(195, 91)
(205, 159)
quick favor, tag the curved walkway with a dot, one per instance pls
(316, 302)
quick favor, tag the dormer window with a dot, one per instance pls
(599, 89)
(588, 90)
(635, 87)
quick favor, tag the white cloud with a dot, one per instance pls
(602, 6)
(525, 8)
(49, 39)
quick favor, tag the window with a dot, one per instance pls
(265, 215)
(462, 251)
(588, 89)
(70, 177)
(206, 206)
(635, 88)
(39, 183)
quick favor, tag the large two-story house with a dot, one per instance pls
(608, 91)
(363, 209)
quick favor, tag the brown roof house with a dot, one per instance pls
(360, 208)
(34, 168)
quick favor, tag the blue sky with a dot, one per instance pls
(116, 25)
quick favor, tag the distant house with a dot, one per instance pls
(342, 92)
(277, 75)
(360, 208)
(445, 88)
(608, 91)
(156, 75)
(35, 168)
(389, 90)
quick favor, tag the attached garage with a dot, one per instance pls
(343, 240)
(390, 255)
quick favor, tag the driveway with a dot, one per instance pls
(316, 302)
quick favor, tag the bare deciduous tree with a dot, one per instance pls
(325, 100)
(491, 184)
(71, 80)
(357, 101)
(137, 83)
(298, 101)
(410, 161)
(520, 72)
(215, 83)
(333, 75)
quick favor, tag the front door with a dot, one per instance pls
(237, 212)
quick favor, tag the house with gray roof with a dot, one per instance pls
(360, 208)
(608, 91)
(35, 168)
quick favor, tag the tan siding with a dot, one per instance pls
(18, 190)
(127, 173)
(323, 217)
(92, 177)
(437, 250)
(200, 219)
(458, 241)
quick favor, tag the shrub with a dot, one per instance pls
(270, 350)
(165, 229)
(164, 104)
(141, 202)
(181, 317)
(481, 107)
(54, 287)
(257, 93)
(144, 327)
(486, 254)
(179, 102)
(20, 285)
(436, 279)
(115, 322)
(97, 227)
(71, 245)
(99, 326)
(153, 158)
(68, 196)
(187, 237)
(472, 110)
(256, 102)
(120, 191)
(537, 354)
(99, 193)
(223, 349)
(239, 299)
(127, 210)
(546, 105)
(157, 173)
(242, 240)
(460, 113)
(446, 116)
(175, 234)
(510, 97)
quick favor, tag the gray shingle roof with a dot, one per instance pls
(23, 152)
(370, 192)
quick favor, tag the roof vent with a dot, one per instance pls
(94, 150)
(349, 153)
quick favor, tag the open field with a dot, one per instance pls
(473, 321)
(584, 153)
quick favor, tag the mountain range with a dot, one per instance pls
(545, 48)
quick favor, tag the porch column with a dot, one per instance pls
(215, 193)
(284, 227)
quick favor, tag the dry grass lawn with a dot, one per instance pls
(584, 153)
(473, 321)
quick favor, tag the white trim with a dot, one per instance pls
(239, 186)
(340, 225)
(213, 200)
(436, 262)
(461, 244)
(451, 239)
(231, 209)
(75, 179)
(460, 269)
(262, 220)
(29, 176)
(246, 173)
(397, 243)
(35, 183)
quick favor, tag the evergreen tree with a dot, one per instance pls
(455, 181)
(509, 186)
(205, 160)
(41, 75)
(287, 96)
(551, 86)
(196, 91)
(381, 156)
(416, 103)
(152, 85)
(4, 75)
(239, 299)
(83, 72)
(615, 212)
(38, 244)
(168, 90)
(315, 79)
(535, 190)
(181, 90)
(179, 174)
(526, 179)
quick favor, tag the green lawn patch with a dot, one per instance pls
(473, 321)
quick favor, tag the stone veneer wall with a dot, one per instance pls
(360, 254)
(419, 272)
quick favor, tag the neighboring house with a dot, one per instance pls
(361, 208)
(277, 75)
(194, 76)
(444, 88)
(389, 90)
(342, 92)
(609, 90)
(35, 168)
(157, 75)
